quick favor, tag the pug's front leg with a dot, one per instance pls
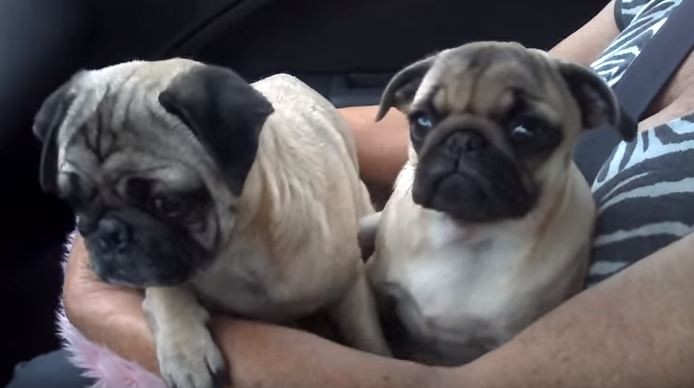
(187, 354)
(357, 318)
(368, 227)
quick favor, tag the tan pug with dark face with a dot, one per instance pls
(490, 220)
(212, 193)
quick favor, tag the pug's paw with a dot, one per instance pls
(192, 361)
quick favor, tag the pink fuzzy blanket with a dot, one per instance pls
(99, 363)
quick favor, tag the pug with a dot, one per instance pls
(212, 194)
(489, 223)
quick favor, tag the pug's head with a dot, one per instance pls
(493, 123)
(152, 157)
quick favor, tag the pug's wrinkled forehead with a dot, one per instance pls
(112, 120)
(492, 80)
(139, 115)
(126, 88)
(497, 80)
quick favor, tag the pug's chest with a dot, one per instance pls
(451, 284)
(244, 282)
(450, 300)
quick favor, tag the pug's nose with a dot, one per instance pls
(463, 142)
(114, 235)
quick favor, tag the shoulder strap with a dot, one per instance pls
(658, 61)
(643, 80)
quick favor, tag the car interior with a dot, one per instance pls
(345, 49)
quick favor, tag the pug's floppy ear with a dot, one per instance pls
(596, 100)
(402, 87)
(47, 124)
(224, 112)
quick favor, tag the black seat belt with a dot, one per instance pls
(643, 80)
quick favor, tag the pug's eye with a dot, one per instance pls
(138, 189)
(424, 121)
(522, 133)
(420, 125)
(525, 130)
(173, 207)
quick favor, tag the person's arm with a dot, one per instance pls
(634, 330)
(382, 146)
(585, 45)
(261, 354)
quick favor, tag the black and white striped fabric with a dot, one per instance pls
(645, 190)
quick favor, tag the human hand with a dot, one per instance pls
(107, 314)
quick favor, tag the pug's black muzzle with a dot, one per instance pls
(461, 173)
(142, 252)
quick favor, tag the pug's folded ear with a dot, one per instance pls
(47, 124)
(224, 112)
(596, 100)
(402, 87)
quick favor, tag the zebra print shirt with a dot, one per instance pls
(645, 190)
